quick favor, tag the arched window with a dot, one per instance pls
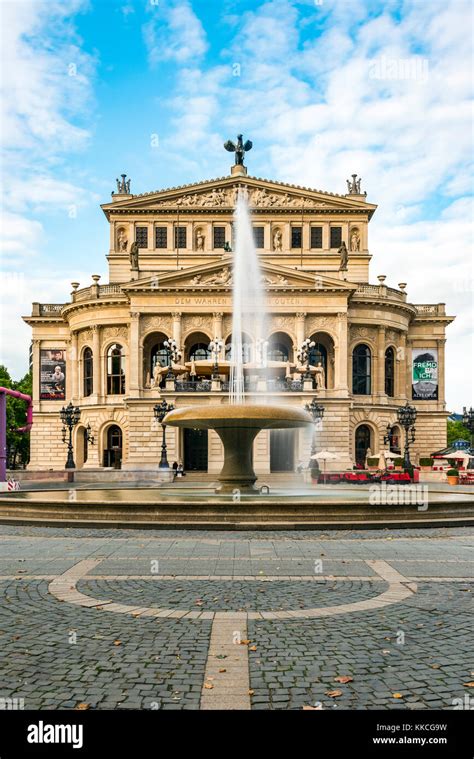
(361, 370)
(159, 354)
(199, 352)
(115, 370)
(390, 372)
(278, 352)
(362, 443)
(88, 372)
(319, 354)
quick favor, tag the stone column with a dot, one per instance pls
(74, 365)
(177, 328)
(401, 359)
(325, 236)
(97, 363)
(36, 374)
(380, 368)
(217, 318)
(341, 359)
(299, 330)
(133, 355)
(407, 389)
(441, 371)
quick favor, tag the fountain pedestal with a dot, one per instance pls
(237, 426)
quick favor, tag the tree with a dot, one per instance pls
(457, 431)
(18, 444)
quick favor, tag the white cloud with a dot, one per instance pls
(174, 33)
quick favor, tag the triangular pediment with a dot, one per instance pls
(221, 194)
(217, 276)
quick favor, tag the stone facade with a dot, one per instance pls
(177, 284)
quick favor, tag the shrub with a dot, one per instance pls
(452, 473)
(426, 462)
(398, 462)
(373, 461)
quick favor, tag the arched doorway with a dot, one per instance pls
(280, 347)
(81, 451)
(362, 443)
(196, 346)
(195, 450)
(114, 447)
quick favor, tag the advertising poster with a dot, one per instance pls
(425, 374)
(53, 375)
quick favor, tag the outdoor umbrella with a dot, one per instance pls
(324, 456)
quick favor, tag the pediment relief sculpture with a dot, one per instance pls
(257, 198)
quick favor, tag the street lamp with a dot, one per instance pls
(407, 416)
(174, 355)
(160, 411)
(70, 416)
(304, 353)
(317, 412)
(468, 421)
(215, 346)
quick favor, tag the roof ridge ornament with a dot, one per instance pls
(123, 185)
(353, 186)
(239, 148)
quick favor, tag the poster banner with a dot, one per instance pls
(425, 374)
(53, 375)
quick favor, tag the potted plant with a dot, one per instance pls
(426, 464)
(398, 463)
(372, 463)
(453, 476)
(315, 472)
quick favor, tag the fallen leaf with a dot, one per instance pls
(397, 695)
(334, 693)
(222, 669)
(469, 685)
(221, 656)
(312, 708)
(208, 686)
(435, 666)
(245, 642)
(117, 642)
(82, 707)
(252, 648)
(343, 679)
(251, 692)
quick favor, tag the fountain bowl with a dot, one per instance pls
(237, 426)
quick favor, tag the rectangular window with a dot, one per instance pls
(296, 237)
(141, 237)
(258, 233)
(219, 237)
(316, 237)
(336, 237)
(180, 237)
(161, 237)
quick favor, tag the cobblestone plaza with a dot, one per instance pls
(126, 619)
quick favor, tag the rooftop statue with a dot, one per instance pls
(239, 148)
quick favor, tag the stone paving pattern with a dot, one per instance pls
(119, 661)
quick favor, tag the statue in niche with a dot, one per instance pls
(355, 241)
(277, 241)
(200, 240)
(320, 376)
(122, 240)
(343, 254)
(134, 253)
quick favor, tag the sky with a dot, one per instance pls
(152, 88)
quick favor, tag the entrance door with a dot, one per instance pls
(113, 452)
(362, 443)
(195, 450)
(282, 450)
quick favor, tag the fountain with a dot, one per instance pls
(238, 423)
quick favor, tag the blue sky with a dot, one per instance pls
(93, 88)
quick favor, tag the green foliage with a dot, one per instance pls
(373, 461)
(426, 462)
(18, 444)
(457, 431)
(398, 462)
(452, 473)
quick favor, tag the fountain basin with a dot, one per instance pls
(237, 426)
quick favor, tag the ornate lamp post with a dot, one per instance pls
(407, 416)
(317, 412)
(160, 411)
(174, 355)
(303, 355)
(70, 416)
(215, 347)
(468, 421)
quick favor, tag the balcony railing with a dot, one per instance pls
(201, 386)
(251, 386)
(380, 291)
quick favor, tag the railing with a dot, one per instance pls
(50, 308)
(90, 292)
(202, 386)
(272, 386)
(431, 308)
(380, 291)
